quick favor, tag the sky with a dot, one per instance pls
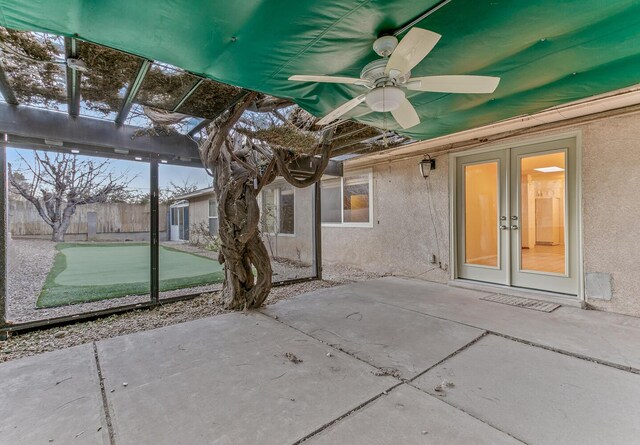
(139, 171)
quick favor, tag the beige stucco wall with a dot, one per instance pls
(403, 236)
(611, 206)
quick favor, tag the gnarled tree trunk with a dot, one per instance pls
(241, 247)
(241, 169)
(236, 187)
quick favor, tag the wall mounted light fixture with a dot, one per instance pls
(426, 165)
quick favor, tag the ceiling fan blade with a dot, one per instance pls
(326, 79)
(406, 115)
(342, 109)
(411, 50)
(454, 84)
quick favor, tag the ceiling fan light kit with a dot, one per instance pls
(388, 77)
(383, 99)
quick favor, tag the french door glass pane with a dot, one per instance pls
(542, 215)
(481, 210)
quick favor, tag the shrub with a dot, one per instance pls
(200, 236)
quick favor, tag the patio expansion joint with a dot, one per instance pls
(453, 354)
(610, 364)
(443, 400)
(401, 382)
(347, 414)
(103, 392)
(586, 358)
(331, 345)
(356, 408)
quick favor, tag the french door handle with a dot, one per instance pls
(514, 227)
(504, 227)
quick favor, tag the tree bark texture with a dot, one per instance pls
(241, 168)
(236, 185)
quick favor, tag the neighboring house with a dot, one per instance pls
(286, 222)
(190, 210)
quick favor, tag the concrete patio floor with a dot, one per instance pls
(387, 361)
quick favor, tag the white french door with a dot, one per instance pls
(517, 217)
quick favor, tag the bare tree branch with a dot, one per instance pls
(62, 182)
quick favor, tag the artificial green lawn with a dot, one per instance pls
(91, 272)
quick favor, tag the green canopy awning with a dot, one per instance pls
(546, 52)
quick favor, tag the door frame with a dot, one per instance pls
(453, 192)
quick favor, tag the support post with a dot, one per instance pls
(73, 78)
(317, 232)
(155, 233)
(3, 238)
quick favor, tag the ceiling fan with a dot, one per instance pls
(388, 77)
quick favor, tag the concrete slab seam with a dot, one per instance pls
(347, 414)
(336, 347)
(103, 392)
(467, 413)
(598, 361)
(351, 411)
(528, 342)
(454, 353)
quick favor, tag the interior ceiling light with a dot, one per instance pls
(386, 78)
(549, 169)
(76, 64)
(138, 158)
(75, 152)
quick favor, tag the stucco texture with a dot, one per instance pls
(611, 212)
(403, 236)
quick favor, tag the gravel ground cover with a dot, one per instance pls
(206, 305)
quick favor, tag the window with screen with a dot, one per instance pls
(347, 201)
(278, 210)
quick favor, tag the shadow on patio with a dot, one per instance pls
(383, 361)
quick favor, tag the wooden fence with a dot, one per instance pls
(24, 219)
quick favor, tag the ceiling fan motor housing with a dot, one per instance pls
(374, 73)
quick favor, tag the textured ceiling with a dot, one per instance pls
(546, 52)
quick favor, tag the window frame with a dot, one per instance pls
(278, 189)
(215, 206)
(369, 173)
